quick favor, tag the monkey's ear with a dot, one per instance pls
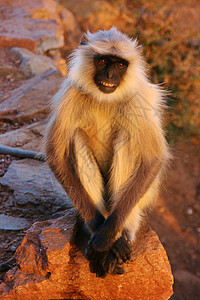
(84, 39)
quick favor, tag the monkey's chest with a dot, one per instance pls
(101, 143)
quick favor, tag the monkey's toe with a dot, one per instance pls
(118, 270)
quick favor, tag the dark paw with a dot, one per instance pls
(104, 263)
(122, 249)
(105, 266)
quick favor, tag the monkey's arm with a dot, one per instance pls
(77, 171)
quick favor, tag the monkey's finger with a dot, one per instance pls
(124, 244)
(127, 250)
(119, 253)
(119, 269)
(111, 262)
(119, 249)
(101, 272)
(103, 263)
(122, 250)
(94, 266)
(99, 266)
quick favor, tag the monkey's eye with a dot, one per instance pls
(120, 65)
(102, 61)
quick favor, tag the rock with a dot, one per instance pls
(72, 29)
(94, 15)
(33, 188)
(4, 267)
(13, 223)
(28, 137)
(33, 25)
(185, 11)
(60, 63)
(13, 248)
(33, 64)
(39, 9)
(9, 65)
(31, 99)
(48, 267)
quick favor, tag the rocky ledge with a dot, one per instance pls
(51, 265)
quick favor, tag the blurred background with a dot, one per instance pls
(169, 32)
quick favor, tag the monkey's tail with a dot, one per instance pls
(16, 152)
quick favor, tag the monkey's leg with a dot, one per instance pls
(78, 172)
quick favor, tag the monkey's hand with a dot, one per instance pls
(103, 263)
(121, 248)
(109, 261)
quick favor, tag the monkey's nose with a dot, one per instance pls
(110, 73)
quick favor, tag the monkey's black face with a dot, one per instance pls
(109, 72)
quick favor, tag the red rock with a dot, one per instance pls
(31, 195)
(31, 99)
(60, 63)
(31, 63)
(72, 30)
(27, 137)
(50, 268)
(34, 25)
(95, 15)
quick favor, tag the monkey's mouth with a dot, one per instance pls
(106, 87)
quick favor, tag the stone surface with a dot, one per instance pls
(95, 15)
(13, 223)
(9, 65)
(32, 25)
(60, 63)
(31, 63)
(50, 268)
(31, 99)
(72, 30)
(32, 188)
(28, 137)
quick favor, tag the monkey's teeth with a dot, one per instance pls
(107, 84)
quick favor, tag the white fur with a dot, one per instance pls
(133, 222)
(89, 173)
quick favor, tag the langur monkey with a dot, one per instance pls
(105, 143)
